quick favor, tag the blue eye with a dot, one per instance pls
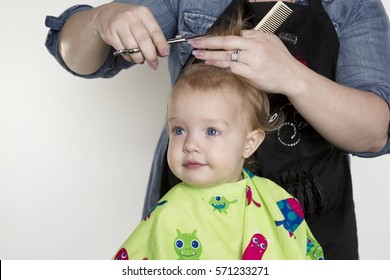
(179, 243)
(179, 131)
(212, 132)
(195, 244)
(217, 198)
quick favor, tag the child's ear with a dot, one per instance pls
(253, 140)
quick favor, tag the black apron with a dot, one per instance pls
(296, 157)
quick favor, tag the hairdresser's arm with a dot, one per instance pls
(352, 119)
(81, 48)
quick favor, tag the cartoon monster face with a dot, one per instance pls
(121, 255)
(187, 246)
(220, 203)
(256, 247)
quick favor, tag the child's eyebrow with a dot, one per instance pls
(205, 122)
(216, 122)
(174, 119)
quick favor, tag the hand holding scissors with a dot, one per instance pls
(177, 39)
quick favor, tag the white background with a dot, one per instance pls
(75, 154)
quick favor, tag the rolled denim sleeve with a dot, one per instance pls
(364, 56)
(163, 11)
(110, 68)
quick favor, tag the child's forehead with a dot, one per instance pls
(221, 91)
(208, 98)
(213, 103)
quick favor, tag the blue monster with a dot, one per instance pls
(293, 214)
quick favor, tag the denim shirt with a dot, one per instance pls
(362, 27)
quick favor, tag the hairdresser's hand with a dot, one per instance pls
(263, 59)
(87, 36)
(126, 26)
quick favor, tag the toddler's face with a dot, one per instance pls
(208, 134)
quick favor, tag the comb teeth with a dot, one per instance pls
(274, 18)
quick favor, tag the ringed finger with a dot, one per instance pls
(235, 55)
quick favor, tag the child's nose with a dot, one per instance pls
(191, 145)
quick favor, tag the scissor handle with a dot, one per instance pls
(127, 51)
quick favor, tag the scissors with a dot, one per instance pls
(177, 39)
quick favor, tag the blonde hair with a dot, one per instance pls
(254, 102)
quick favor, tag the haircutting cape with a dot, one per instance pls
(250, 219)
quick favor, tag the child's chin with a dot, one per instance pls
(200, 184)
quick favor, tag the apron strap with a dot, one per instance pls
(329, 29)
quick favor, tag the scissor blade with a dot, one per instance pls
(181, 39)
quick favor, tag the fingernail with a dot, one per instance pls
(194, 42)
(154, 65)
(198, 53)
(164, 51)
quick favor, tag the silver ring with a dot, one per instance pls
(235, 56)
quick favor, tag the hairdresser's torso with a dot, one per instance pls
(188, 17)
